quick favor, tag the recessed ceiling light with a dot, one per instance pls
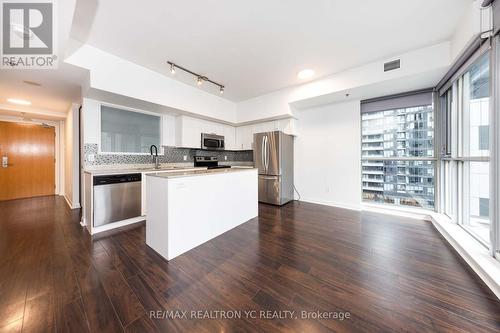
(18, 101)
(305, 74)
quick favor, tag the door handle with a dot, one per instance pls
(262, 152)
(265, 152)
(5, 161)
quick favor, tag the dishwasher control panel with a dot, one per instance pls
(115, 179)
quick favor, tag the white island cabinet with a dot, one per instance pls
(186, 209)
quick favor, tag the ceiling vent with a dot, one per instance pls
(392, 65)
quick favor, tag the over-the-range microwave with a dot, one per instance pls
(212, 141)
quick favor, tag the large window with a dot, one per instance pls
(465, 155)
(128, 132)
(398, 160)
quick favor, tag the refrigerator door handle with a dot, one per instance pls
(266, 165)
(262, 152)
(267, 154)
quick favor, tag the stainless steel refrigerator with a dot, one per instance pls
(273, 156)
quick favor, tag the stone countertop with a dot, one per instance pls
(147, 168)
(193, 173)
(163, 169)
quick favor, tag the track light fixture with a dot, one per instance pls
(199, 78)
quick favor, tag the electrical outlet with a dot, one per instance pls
(91, 157)
(225, 157)
(185, 158)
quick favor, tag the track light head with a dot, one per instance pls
(200, 79)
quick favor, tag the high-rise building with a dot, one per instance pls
(392, 134)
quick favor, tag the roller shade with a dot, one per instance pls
(472, 52)
(400, 101)
(496, 17)
(495, 6)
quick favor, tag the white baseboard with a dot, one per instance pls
(70, 204)
(410, 213)
(106, 227)
(332, 204)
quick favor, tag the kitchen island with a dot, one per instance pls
(89, 200)
(186, 209)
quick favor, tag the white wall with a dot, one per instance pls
(328, 153)
(468, 28)
(71, 158)
(432, 60)
(115, 75)
(91, 120)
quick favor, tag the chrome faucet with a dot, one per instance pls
(155, 156)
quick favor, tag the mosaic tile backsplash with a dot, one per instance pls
(171, 155)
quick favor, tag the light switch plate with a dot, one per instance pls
(185, 158)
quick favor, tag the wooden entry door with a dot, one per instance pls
(30, 153)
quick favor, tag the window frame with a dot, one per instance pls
(434, 159)
(458, 199)
(125, 108)
(494, 144)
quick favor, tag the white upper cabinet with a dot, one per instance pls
(188, 132)
(230, 137)
(244, 134)
(168, 130)
(244, 137)
(287, 126)
(211, 127)
(268, 126)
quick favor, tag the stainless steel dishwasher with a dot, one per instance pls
(116, 198)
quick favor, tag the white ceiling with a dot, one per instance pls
(58, 87)
(255, 47)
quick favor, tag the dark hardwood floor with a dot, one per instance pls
(389, 274)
